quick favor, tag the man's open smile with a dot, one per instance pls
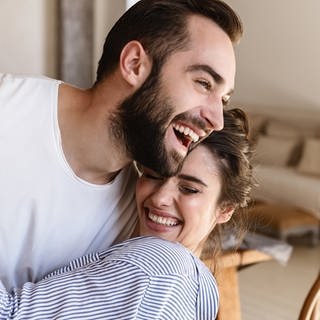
(185, 133)
(187, 136)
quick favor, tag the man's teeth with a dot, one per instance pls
(187, 132)
(162, 220)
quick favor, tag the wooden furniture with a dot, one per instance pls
(311, 306)
(226, 274)
(283, 221)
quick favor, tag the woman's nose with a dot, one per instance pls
(162, 196)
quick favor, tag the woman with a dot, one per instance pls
(151, 277)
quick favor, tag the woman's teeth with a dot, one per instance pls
(187, 132)
(163, 220)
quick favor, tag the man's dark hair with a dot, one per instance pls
(161, 27)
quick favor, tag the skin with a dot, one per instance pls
(200, 80)
(183, 208)
(197, 82)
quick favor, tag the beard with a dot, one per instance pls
(141, 123)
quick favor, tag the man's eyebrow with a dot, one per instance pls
(204, 67)
(191, 178)
(216, 76)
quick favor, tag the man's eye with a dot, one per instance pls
(188, 190)
(205, 84)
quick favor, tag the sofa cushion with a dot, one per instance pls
(281, 129)
(286, 185)
(275, 151)
(310, 161)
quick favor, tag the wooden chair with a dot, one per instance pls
(311, 306)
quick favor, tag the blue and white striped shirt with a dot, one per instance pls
(141, 278)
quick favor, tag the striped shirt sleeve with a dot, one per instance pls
(142, 278)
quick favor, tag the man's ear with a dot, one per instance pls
(225, 213)
(135, 64)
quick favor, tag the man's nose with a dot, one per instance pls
(213, 114)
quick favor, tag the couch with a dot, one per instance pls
(286, 161)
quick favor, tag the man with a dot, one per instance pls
(66, 182)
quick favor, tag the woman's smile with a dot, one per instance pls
(181, 208)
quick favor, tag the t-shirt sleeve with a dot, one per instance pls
(180, 297)
(169, 297)
(208, 296)
(97, 291)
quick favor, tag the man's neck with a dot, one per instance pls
(86, 142)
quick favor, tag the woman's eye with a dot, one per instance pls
(188, 190)
(151, 176)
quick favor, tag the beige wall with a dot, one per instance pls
(27, 36)
(279, 56)
(106, 13)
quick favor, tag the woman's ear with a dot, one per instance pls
(225, 213)
(135, 64)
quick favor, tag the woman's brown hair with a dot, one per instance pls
(231, 148)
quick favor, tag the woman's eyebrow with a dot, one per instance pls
(192, 178)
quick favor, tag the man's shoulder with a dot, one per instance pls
(10, 78)
(14, 85)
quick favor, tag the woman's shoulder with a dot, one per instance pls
(171, 263)
(158, 256)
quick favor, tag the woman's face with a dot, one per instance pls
(182, 208)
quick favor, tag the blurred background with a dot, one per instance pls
(56, 38)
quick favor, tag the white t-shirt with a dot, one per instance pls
(48, 215)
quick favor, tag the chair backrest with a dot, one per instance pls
(311, 306)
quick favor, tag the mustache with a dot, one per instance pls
(197, 122)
